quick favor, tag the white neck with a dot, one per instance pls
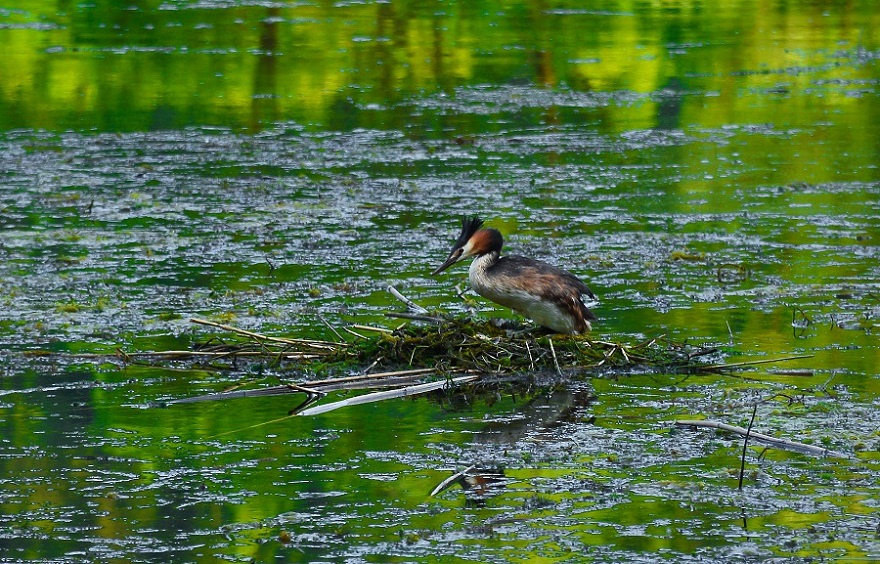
(477, 270)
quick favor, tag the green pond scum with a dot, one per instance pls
(709, 169)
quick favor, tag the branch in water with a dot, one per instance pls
(767, 439)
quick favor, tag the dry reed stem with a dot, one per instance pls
(408, 302)
(305, 342)
(767, 439)
(386, 395)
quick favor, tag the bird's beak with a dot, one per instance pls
(454, 257)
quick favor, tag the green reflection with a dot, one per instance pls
(160, 65)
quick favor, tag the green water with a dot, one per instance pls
(711, 171)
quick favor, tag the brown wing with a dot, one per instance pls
(539, 278)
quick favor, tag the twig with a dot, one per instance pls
(261, 392)
(311, 387)
(451, 480)
(531, 359)
(711, 367)
(306, 342)
(701, 352)
(371, 328)
(312, 396)
(409, 303)
(355, 333)
(553, 352)
(414, 316)
(804, 316)
(335, 332)
(262, 424)
(742, 464)
(391, 394)
(372, 365)
(791, 372)
(376, 376)
(773, 441)
(211, 354)
(232, 329)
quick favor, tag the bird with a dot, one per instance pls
(550, 296)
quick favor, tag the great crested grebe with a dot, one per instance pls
(550, 296)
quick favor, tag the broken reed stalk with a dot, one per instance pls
(386, 395)
(451, 480)
(214, 354)
(414, 317)
(742, 463)
(394, 377)
(555, 360)
(715, 367)
(371, 328)
(408, 302)
(335, 332)
(314, 395)
(767, 439)
(375, 376)
(258, 337)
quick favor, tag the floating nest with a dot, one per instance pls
(437, 353)
(448, 346)
(459, 345)
(420, 358)
(446, 355)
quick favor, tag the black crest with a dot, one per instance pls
(469, 226)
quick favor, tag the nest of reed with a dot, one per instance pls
(447, 346)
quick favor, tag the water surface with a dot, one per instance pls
(711, 171)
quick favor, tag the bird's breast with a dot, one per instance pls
(520, 297)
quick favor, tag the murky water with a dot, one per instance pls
(712, 172)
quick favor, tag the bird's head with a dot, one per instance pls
(473, 241)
